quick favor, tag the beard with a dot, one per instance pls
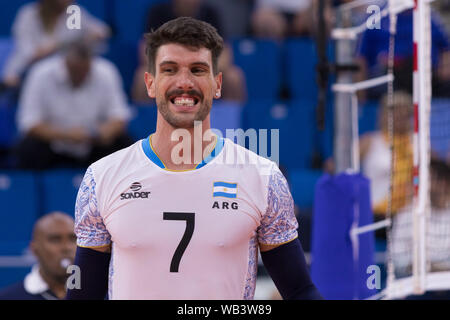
(183, 120)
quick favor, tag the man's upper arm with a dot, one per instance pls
(90, 229)
(278, 224)
(116, 101)
(31, 107)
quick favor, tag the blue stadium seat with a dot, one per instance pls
(129, 18)
(8, 14)
(440, 127)
(296, 129)
(19, 210)
(303, 183)
(143, 122)
(226, 115)
(6, 47)
(300, 65)
(301, 60)
(11, 275)
(8, 128)
(368, 117)
(59, 190)
(124, 55)
(261, 62)
(97, 8)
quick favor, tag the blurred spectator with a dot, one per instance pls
(437, 226)
(376, 156)
(72, 111)
(163, 12)
(139, 93)
(277, 19)
(374, 48)
(40, 30)
(234, 15)
(233, 81)
(53, 243)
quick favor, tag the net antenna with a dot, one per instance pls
(420, 280)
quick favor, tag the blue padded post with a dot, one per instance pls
(336, 271)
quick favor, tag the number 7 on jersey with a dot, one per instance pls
(189, 217)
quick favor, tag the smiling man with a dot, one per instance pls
(149, 227)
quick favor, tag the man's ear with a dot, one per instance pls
(33, 248)
(218, 79)
(150, 84)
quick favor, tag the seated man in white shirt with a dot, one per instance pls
(437, 227)
(40, 30)
(72, 111)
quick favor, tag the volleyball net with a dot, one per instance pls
(406, 154)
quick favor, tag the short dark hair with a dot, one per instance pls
(79, 48)
(188, 32)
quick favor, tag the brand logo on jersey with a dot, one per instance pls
(135, 187)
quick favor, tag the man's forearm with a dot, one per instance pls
(94, 269)
(287, 267)
(110, 130)
(47, 132)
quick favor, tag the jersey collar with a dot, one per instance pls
(151, 154)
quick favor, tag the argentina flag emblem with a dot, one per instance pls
(224, 189)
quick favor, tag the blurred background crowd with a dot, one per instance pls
(71, 96)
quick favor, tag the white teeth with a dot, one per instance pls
(184, 102)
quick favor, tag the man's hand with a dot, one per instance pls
(50, 133)
(76, 135)
(109, 131)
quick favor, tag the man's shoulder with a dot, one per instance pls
(27, 11)
(102, 65)
(249, 159)
(47, 65)
(242, 151)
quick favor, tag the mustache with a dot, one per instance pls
(179, 92)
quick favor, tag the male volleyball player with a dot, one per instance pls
(191, 230)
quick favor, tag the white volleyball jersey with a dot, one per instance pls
(184, 234)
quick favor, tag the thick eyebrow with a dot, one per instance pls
(201, 63)
(197, 63)
(166, 62)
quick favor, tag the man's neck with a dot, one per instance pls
(189, 148)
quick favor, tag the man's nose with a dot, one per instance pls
(184, 80)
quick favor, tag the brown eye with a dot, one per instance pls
(197, 70)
